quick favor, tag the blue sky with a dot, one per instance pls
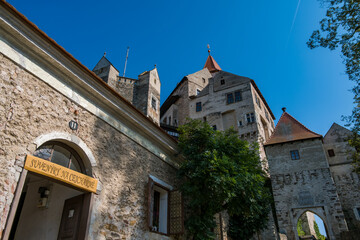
(256, 39)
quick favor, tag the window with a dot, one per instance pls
(240, 123)
(203, 80)
(214, 127)
(165, 214)
(155, 80)
(204, 118)
(61, 154)
(295, 155)
(222, 81)
(238, 96)
(230, 98)
(198, 91)
(198, 107)
(267, 115)
(258, 101)
(357, 213)
(169, 120)
(153, 103)
(250, 117)
(331, 152)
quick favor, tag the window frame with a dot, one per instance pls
(230, 98)
(73, 154)
(153, 103)
(331, 152)
(250, 118)
(152, 184)
(237, 94)
(198, 107)
(295, 154)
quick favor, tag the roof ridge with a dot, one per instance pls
(302, 125)
(290, 129)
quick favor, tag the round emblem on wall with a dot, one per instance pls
(73, 125)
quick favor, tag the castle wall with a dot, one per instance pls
(303, 185)
(346, 180)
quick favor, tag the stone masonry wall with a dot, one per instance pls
(30, 108)
(304, 185)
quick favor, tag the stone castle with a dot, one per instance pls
(108, 129)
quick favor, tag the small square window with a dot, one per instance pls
(238, 96)
(198, 107)
(250, 117)
(295, 155)
(240, 123)
(331, 152)
(230, 98)
(203, 80)
(222, 81)
(153, 103)
(214, 127)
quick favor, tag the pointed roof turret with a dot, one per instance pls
(211, 64)
(288, 129)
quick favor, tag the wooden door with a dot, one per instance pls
(70, 220)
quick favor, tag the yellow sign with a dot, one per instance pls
(58, 172)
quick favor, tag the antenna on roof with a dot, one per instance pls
(127, 55)
(104, 54)
(208, 46)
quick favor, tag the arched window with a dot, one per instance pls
(61, 154)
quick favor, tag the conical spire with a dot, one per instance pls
(289, 129)
(211, 64)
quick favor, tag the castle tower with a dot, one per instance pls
(147, 94)
(106, 71)
(301, 178)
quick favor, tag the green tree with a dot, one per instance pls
(340, 28)
(300, 229)
(221, 172)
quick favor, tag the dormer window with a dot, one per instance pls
(222, 81)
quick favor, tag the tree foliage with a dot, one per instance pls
(221, 172)
(299, 228)
(340, 28)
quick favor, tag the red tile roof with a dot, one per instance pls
(212, 65)
(289, 129)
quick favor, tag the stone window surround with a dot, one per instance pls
(164, 189)
(357, 212)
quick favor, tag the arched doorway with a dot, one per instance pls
(50, 208)
(311, 226)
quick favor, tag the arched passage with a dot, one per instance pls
(310, 225)
(49, 208)
(308, 222)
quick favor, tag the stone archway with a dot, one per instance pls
(319, 211)
(73, 141)
(88, 161)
